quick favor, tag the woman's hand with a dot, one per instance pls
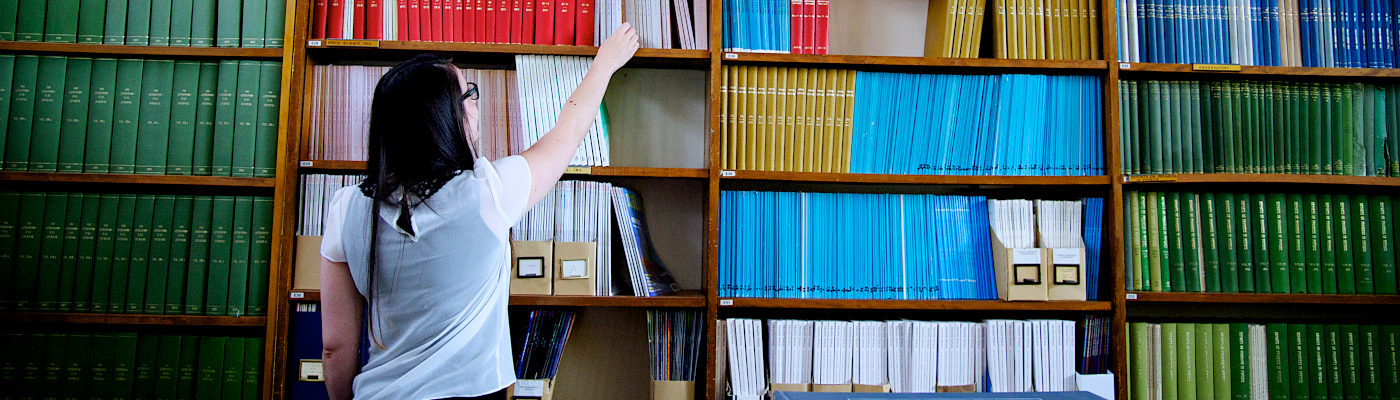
(617, 49)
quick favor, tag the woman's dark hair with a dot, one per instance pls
(417, 143)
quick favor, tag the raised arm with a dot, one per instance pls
(551, 154)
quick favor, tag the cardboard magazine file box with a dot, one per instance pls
(1067, 274)
(831, 388)
(531, 267)
(531, 389)
(859, 388)
(672, 390)
(789, 387)
(307, 273)
(1020, 273)
(573, 268)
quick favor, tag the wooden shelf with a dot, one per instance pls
(120, 50)
(850, 61)
(1256, 298)
(1247, 70)
(320, 166)
(167, 180)
(376, 48)
(20, 317)
(1261, 178)
(685, 299)
(954, 305)
(915, 179)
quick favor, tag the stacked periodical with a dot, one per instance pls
(1053, 30)
(774, 26)
(180, 23)
(545, 84)
(675, 338)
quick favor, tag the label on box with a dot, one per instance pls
(311, 371)
(574, 269)
(529, 267)
(529, 388)
(1065, 256)
(1025, 256)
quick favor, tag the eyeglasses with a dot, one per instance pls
(471, 92)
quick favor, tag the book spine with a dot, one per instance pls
(1278, 244)
(229, 21)
(220, 241)
(126, 116)
(211, 365)
(1263, 266)
(139, 263)
(167, 366)
(72, 228)
(564, 16)
(188, 368)
(260, 257)
(183, 104)
(91, 14)
(320, 15)
(7, 68)
(1361, 244)
(203, 23)
(1229, 268)
(528, 22)
(245, 129)
(1278, 361)
(114, 27)
(1327, 249)
(158, 262)
(374, 23)
(48, 113)
(153, 134)
(517, 21)
(268, 101)
(232, 368)
(121, 253)
(195, 283)
(226, 96)
(159, 20)
(1342, 219)
(51, 251)
(9, 14)
(1383, 244)
(1210, 243)
(584, 24)
(335, 17)
(138, 22)
(544, 21)
(31, 27)
(181, 22)
(179, 259)
(252, 366)
(202, 157)
(28, 242)
(253, 22)
(239, 250)
(1245, 254)
(73, 127)
(275, 28)
(358, 19)
(97, 149)
(1297, 263)
(9, 229)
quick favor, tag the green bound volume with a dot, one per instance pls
(1220, 349)
(1244, 240)
(91, 13)
(1279, 266)
(1312, 243)
(167, 365)
(51, 250)
(1277, 336)
(180, 22)
(260, 258)
(1327, 253)
(179, 255)
(68, 269)
(1370, 341)
(1171, 368)
(153, 135)
(239, 248)
(1361, 244)
(1190, 245)
(1335, 388)
(1298, 361)
(1139, 371)
(9, 234)
(7, 68)
(144, 381)
(61, 23)
(126, 116)
(199, 255)
(52, 375)
(121, 253)
(1390, 358)
(158, 263)
(77, 360)
(1263, 266)
(1155, 242)
(97, 150)
(160, 22)
(225, 99)
(1205, 361)
(48, 112)
(211, 365)
(180, 154)
(226, 31)
(138, 22)
(87, 252)
(245, 128)
(1382, 245)
(1342, 221)
(123, 371)
(30, 28)
(114, 28)
(102, 255)
(220, 242)
(233, 368)
(1351, 360)
(73, 127)
(1297, 264)
(21, 126)
(1210, 242)
(1317, 361)
(1176, 281)
(276, 26)
(136, 276)
(100, 370)
(202, 21)
(188, 369)
(254, 23)
(31, 369)
(203, 139)
(27, 246)
(252, 366)
(269, 89)
(8, 15)
(1225, 223)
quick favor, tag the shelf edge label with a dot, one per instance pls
(298, 295)
(728, 173)
(726, 302)
(578, 170)
(731, 56)
(1132, 296)
(1216, 67)
(313, 43)
(1125, 65)
(1149, 178)
(307, 164)
(351, 43)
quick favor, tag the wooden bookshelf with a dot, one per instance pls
(152, 180)
(1143, 70)
(329, 166)
(31, 318)
(1099, 180)
(495, 52)
(1258, 298)
(943, 305)
(1230, 179)
(967, 64)
(93, 50)
(684, 299)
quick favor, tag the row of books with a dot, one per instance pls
(660, 23)
(1054, 30)
(187, 23)
(342, 97)
(1260, 127)
(902, 356)
(542, 344)
(954, 28)
(1221, 361)
(162, 117)
(317, 190)
(135, 253)
(545, 84)
(774, 26)
(883, 246)
(130, 365)
(1294, 33)
(675, 338)
(587, 211)
(1261, 242)
(814, 120)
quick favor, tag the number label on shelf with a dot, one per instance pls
(578, 170)
(726, 302)
(730, 56)
(1132, 296)
(1125, 65)
(728, 173)
(298, 295)
(313, 43)
(307, 163)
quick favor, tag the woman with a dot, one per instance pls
(435, 274)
